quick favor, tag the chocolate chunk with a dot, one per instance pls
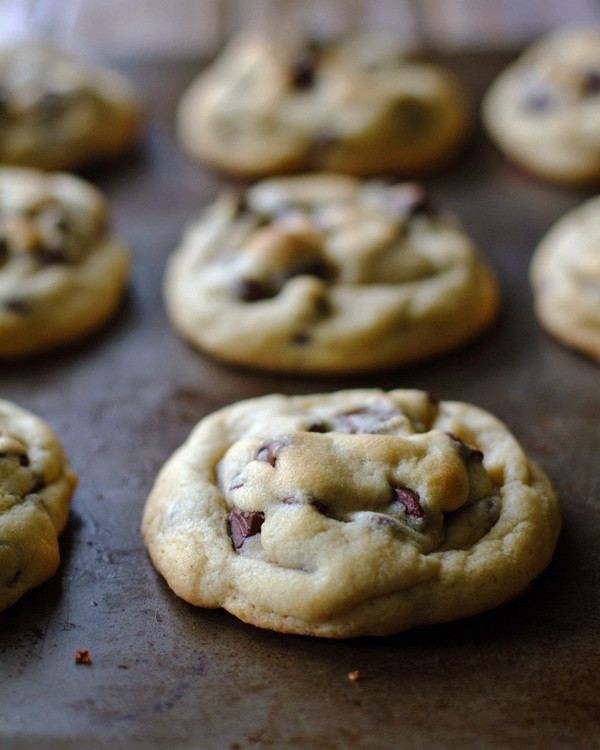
(410, 501)
(318, 427)
(23, 457)
(413, 114)
(300, 338)
(17, 306)
(467, 452)
(252, 291)
(49, 255)
(243, 524)
(269, 450)
(303, 73)
(591, 84)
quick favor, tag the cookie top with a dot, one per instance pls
(565, 275)
(36, 484)
(324, 273)
(353, 513)
(58, 113)
(360, 106)
(543, 110)
(61, 273)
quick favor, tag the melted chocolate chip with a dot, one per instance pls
(303, 72)
(300, 339)
(252, 291)
(243, 524)
(49, 255)
(269, 450)
(318, 427)
(17, 306)
(23, 457)
(591, 85)
(467, 453)
(410, 500)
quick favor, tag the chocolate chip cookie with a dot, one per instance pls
(543, 111)
(565, 275)
(36, 484)
(325, 273)
(353, 513)
(360, 106)
(61, 273)
(59, 113)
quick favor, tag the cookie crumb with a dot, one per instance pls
(354, 676)
(83, 656)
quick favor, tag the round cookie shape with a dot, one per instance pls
(565, 276)
(543, 110)
(269, 106)
(36, 484)
(61, 273)
(348, 514)
(58, 113)
(325, 273)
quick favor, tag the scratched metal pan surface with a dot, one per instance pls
(165, 674)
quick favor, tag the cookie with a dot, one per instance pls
(325, 273)
(543, 110)
(354, 513)
(61, 273)
(270, 106)
(565, 276)
(36, 484)
(59, 113)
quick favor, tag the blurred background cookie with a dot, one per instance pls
(36, 484)
(565, 274)
(270, 105)
(325, 273)
(61, 273)
(57, 112)
(543, 111)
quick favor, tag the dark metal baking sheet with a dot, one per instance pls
(164, 674)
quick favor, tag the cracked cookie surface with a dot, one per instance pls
(36, 484)
(59, 113)
(565, 275)
(360, 106)
(543, 110)
(359, 512)
(325, 273)
(62, 274)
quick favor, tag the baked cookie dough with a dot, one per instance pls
(36, 484)
(565, 275)
(269, 106)
(61, 274)
(543, 111)
(325, 273)
(347, 514)
(59, 113)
